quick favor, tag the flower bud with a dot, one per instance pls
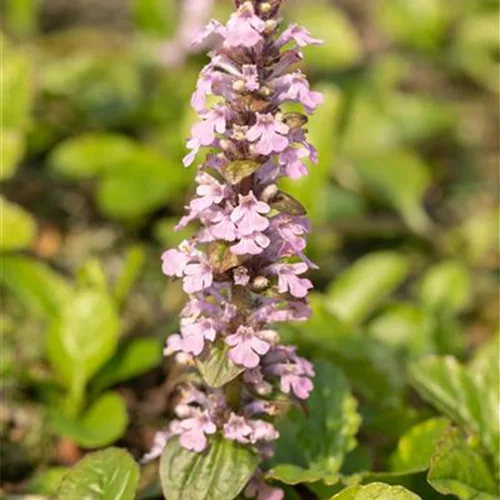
(269, 192)
(239, 86)
(260, 283)
(265, 91)
(265, 7)
(271, 25)
(269, 336)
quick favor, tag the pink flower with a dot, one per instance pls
(290, 160)
(174, 344)
(301, 386)
(193, 432)
(251, 77)
(247, 216)
(244, 28)
(222, 227)
(213, 121)
(205, 86)
(246, 347)
(257, 488)
(194, 145)
(174, 262)
(300, 35)
(251, 244)
(197, 277)
(268, 132)
(213, 33)
(194, 335)
(237, 429)
(210, 193)
(263, 431)
(299, 91)
(288, 279)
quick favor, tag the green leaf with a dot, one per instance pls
(447, 385)
(293, 474)
(221, 258)
(86, 156)
(236, 171)
(400, 178)
(82, 337)
(341, 46)
(47, 482)
(134, 179)
(328, 434)
(40, 289)
(134, 261)
(407, 329)
(18, 227)
(17, 84)
(446, 286)
(376, 491)
(221, 472)
(283, 202)
(102, 424)
(135, 357)
(370, 365)
(215, 366)
(416, 447)
(155, 17)
(459, 470)
(361, 287)
(11, 152)
(103, 475)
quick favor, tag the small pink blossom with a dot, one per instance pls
(299, 91)
(257, 488)
(213, 33)
(251, 244)
(213, 120)
(300, 35)
(174, 262)
(263, 431)
(194, 145)
(246, 347)
(222, 227)
(244, 28)
(193, 432)
(247, 216)
(250, 77)
(288, 279)
(269, 133)
(237, 429)
(210, 193)
(197, 277)
(195, 334)
(290, 161)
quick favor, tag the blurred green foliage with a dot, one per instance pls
(404, 206)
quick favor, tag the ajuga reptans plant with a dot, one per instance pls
(243, 269)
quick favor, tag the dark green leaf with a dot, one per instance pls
(221, 472)
(215, 366)
(458, 469)
(238, 170)
(221, 258)
(110, 474)
(285, 203)
(292, 474)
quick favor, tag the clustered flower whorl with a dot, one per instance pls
(242, 271)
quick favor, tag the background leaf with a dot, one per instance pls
(356, 292)
(376, 491)
(450, 388)
(103, 475)
(220, 472)
(102, 424)
(459, 470)
(18, 227)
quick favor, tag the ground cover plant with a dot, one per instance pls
(363, 365)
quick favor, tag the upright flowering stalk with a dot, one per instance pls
(243, 269)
